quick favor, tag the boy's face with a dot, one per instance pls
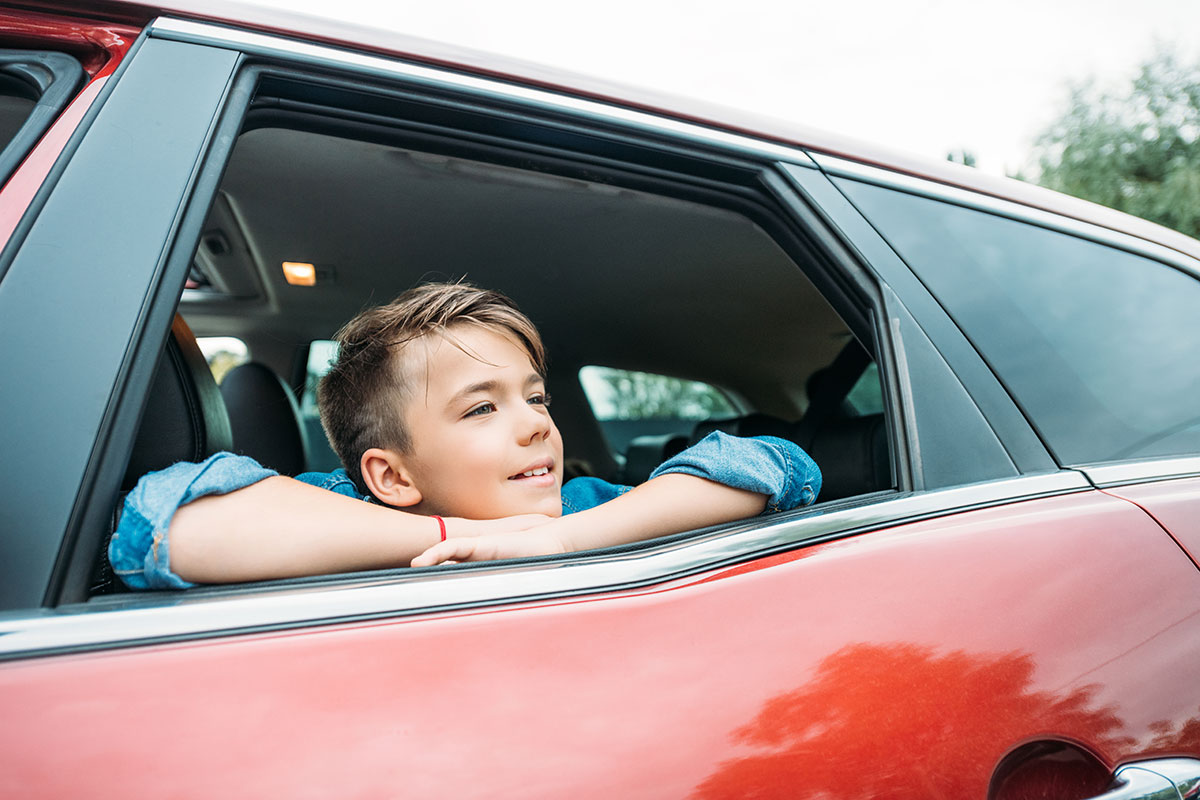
(483, 443)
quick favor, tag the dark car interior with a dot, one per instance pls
(674, 282)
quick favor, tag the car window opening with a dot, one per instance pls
(610, 274)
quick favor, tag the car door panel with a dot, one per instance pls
(844, 669)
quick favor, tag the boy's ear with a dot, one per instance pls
(387, 478)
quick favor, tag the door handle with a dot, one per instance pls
(1160, 779)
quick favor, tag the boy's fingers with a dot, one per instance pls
(456, 549)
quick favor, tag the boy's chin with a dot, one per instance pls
(547, 506)
(550, 507)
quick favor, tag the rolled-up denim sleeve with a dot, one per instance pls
(764, 464)
(140, 549)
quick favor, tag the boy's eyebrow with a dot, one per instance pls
(491, 386)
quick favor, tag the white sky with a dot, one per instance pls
(926, 76)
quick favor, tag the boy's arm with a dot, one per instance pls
(720, 479)
(228, 519)
(282, 528)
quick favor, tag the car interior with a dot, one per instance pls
(617, 271)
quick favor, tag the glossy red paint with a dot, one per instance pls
(1175, 504)
(98, 45)
(100, 48)
(902, 663)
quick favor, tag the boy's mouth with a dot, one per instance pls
(534, 471)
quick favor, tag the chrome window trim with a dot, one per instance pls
(1119, 474)
(166, 617)
(933, 190)
(265, 45)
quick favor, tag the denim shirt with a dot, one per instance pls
(140, 550)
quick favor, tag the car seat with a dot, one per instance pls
(184, 420)
(265, 418)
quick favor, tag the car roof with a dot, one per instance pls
(392, 43)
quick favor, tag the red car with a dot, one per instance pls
(996, 594)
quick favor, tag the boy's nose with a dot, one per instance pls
(534, 425)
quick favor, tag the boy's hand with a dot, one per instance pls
(668, 504)
(515, 542)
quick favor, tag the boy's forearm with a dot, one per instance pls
(282, 528)
(667, 504)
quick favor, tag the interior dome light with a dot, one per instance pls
(299, 273)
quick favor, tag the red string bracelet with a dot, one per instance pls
(441, 526)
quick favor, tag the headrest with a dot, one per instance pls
(853, 456)
(184, 418)
(265, 418)
(647, 452)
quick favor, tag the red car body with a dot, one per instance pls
(1026, 638)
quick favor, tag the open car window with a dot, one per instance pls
(626, 252)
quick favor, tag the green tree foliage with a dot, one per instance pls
(961, 156)
(1137, 150)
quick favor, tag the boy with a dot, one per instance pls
(436, 405)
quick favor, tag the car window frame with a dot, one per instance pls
(295, 61)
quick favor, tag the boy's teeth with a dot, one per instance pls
(532, 472)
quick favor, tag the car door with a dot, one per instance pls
(933, 639)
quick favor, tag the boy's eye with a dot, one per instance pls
(480, 410)
(540, 400)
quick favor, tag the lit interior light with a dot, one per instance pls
(298, 273)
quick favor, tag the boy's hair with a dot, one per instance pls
(362, 397)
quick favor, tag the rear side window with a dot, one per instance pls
(1099, 346)
(223, 353)
(628, 404)
(866, 396)
(321, 355)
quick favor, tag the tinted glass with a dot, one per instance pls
(14, 110)
(1099, 346)
(866, 396)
